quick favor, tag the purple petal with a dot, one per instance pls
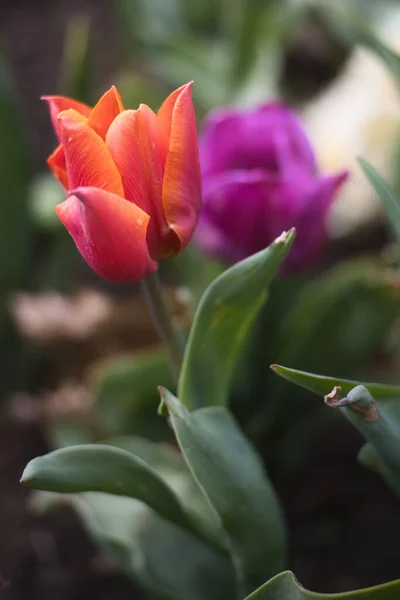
(311, 221)
(247, 140)
(235, 214)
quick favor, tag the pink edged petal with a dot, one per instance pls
(59, 103)
(88, 161)
(181, 191)
(103, 114)
(110, 233)
(56, 162)
(164, 119)
(133, 144)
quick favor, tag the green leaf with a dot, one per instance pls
(356, 29)
(100, 468)
(223, 320)
(125, 392)
(379, 423)
(389, 200)
(77, 68)
(337, 323)
(170, 465)
(372, 408)
(286, 587)
(340, 319)
(363, 34)
(164, 558)
(231, 476)
(322, 385)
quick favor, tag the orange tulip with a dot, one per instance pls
(132, 177)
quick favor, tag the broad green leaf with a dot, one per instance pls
(231, 476)
(222, 321)
(322, 385)
(389, 200)
(100, 468)
(164, 558)
(286, 587)
(125, 392)
(170, 465)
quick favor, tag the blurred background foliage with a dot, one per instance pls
(79, 359)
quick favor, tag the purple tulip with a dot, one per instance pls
(259, 177)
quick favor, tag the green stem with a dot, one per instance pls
(169, 334)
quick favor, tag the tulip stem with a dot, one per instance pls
(169, 334)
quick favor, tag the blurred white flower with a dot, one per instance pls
(358, 115)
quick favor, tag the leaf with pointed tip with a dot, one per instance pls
(286, 587)
(389, 200)
(322, 385)
(100, 468)
(231, 476)
(222, 321)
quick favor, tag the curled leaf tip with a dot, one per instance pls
(169, 401)
(162, 409)
(358, 399)
(361, 400)
(334, 399)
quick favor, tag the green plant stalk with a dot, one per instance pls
(169, 334)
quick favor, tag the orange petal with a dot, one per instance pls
(109, 232)
(132, 142)
(56, 162)
(103, 114)
(87, 159)
(60, 103)
(181, 192)
(164, 119)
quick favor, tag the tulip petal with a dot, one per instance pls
(311, 221)
(109, 232)
(59, 103)
(237, 217)
(57, 164)
(233, 139)
(181, 191)
(164, 120)
(88, 161)
(133, 144)
(103, 114)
